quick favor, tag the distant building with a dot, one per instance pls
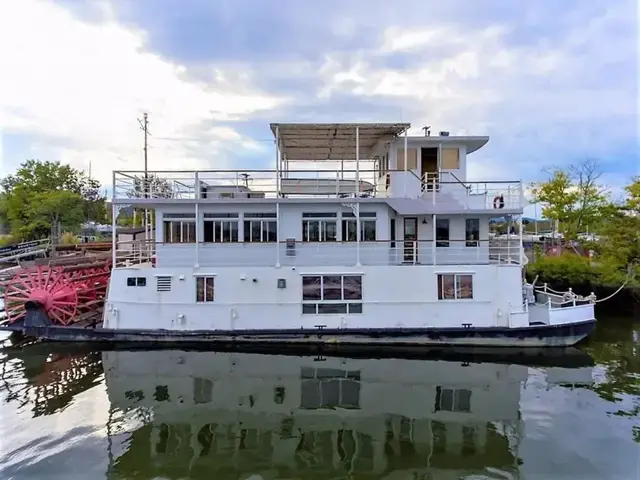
(127, 238)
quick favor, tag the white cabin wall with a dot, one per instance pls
(265, 254)
(247, 298)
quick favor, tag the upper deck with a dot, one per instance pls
(421, 174)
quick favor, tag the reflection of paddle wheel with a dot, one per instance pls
(64, 292)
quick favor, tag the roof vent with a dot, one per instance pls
(444, 134)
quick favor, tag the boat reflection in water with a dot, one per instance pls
(229, 415)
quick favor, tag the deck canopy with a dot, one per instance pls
(333, 141)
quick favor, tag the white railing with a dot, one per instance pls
(326, 253)
(443, 188)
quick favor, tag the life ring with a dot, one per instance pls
(498, 202)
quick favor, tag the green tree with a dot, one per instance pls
(621, 247)
(42, 194)
(573, 197)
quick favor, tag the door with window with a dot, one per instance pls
(410, 239)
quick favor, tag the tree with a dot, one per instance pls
(632, 202)
(622, 231)
(157, 187)
(59, 207)
(41, 194)
(573, 197)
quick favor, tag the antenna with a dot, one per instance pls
(427, 130)
(245, 177)
(144, 126)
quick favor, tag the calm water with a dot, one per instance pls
(188, 415)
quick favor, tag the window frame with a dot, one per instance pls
(168, 226)
(341, 305)
(366, 219)
(262, 220)
(137, 281)
(323, 220)
(457, 288)
(205, 278)
(219, 221)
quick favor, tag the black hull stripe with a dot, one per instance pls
(371, 335)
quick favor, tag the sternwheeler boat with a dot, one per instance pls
(361, 234)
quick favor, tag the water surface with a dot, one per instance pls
(204, 415)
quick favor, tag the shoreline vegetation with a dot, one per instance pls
(576, 201)
(50, 199)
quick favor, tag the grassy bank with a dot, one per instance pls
(571, 271)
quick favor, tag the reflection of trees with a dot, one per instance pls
(52, 379)
(218, 450)
(616, 346)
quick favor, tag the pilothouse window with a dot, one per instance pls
(326, 294)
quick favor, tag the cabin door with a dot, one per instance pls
(410, 239)
(429, 168)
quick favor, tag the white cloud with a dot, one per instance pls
(570, 93)
(79, 87)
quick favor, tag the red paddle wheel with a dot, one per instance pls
(65, 292)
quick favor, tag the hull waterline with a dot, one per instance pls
(524, 337)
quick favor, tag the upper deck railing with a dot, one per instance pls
(299, 254)
(442, 188)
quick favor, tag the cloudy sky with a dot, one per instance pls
(551, 82)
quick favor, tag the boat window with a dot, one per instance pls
(450, 159)
(178, 216)
(176, 231)
(136, 282)
(472, 231)
(367, 227)
(260, 227)
(205, 289)
(452, 400)
(217, 231)
(331, 294)
(319, 230)
(412, 159)
(442, 232)
(455, 286)
(202, 390)
(329, 388)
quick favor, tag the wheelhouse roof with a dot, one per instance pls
(333, 141)
(471, 142)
